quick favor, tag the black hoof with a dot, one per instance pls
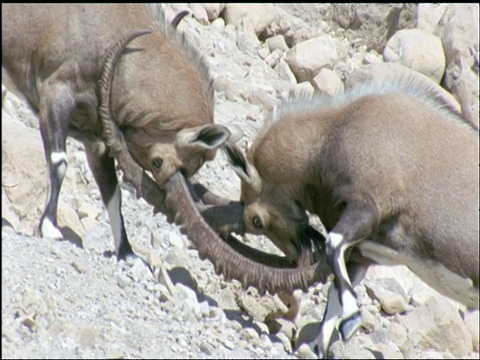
(125, 252)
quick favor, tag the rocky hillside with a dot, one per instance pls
(72, 299)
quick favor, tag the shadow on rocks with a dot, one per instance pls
(71, 236)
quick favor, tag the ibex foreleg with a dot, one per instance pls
(356, 223)
(54, 117)
(333, 311)
(103, 170)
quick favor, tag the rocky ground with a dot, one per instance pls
(72, 299)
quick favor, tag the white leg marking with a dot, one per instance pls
(57, 157)
(331, 317)
(350, 305)
(342, 266)
(349, 301)
(61, 170)
(114, 214)
(334, 240)
(50, 231)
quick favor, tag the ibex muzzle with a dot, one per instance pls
(391, 171)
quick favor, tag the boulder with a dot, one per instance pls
(438, 325)
(258, 15)
(429, 14)
(307, 58)
(418, 50)
(458, 29)
(328, 82)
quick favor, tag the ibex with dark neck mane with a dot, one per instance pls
(161, 96)
(392, 172)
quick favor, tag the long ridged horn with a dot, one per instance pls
(177, 204)
(110, 130)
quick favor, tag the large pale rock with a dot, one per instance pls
(429, 14)
(307, 58)
(471, 320)
(24, 171)
(68, 220)
(458, 30)
(418, 50)
(258, 15)
(438, 325)
(463, 84)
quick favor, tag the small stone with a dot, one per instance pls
(277, 42)
(226, 299)
(368, 320)
(206, 348)
(304, 352)
(176, 240)
(123, 280)
(228, 344)
(263, 52)
(251, 335)
(287, 344)
(80, 266)
(262, 327)
(28, 322)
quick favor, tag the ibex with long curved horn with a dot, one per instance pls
(393, 174)
(150, 106)
(161, 96)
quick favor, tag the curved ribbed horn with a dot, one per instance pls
(110, 131)
(177, 204)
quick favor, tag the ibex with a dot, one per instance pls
(160, 96)
(150, 106)
(391, 171)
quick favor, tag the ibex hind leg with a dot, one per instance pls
(103, 169)
(54, 111)
(356, 223)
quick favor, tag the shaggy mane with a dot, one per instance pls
(416, 85)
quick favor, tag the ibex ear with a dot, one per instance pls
(209, 137)
(246, 171)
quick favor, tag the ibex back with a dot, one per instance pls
(161, 96)
(393, 174)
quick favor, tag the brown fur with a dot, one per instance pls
(161, 96)
(394, 148)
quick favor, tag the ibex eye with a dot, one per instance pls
(257, 222)
(157, 163)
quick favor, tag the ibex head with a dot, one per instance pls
(187, 150)
(270, 207)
